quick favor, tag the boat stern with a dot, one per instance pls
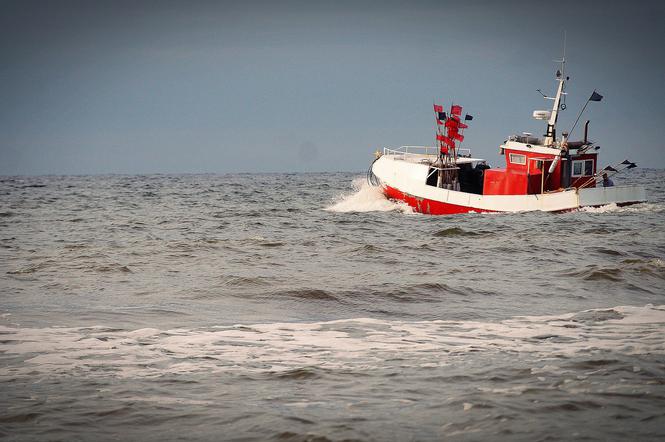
(620, 195)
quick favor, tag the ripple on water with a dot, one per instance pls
(307, 294)
(593, 272)
(458, 231)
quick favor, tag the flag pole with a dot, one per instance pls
(439, 177)
(582, 111)
(438, 131)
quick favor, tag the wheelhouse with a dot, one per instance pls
(529, 167)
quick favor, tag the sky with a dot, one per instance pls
(304, 86)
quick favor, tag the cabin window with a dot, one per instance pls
(517, 158)
(583, 168)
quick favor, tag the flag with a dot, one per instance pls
(468, 117)
(438, 108)
(629, 164)
(456, 110)
(610, 169)
(442, 115)
(445, 141)
(595, 96)
(444, 150)
(439, 122)
(458, 137)
(455, 125)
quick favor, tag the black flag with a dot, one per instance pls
(629, 164)
(468, 117)
(595, 96)
(442, 115)
(610, 169)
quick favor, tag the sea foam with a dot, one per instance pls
(366, 198)
(349, 344)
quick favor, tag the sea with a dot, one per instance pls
(307, 307)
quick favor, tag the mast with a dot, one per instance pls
(447, 157)
(550, 134)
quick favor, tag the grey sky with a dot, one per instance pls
(145, 87)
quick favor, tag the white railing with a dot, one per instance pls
(421, 151)
(411, 151)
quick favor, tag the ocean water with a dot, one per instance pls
(307, 307)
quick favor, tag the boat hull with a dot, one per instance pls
(428, 206)
(406, 181)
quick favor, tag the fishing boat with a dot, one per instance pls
(548, 173)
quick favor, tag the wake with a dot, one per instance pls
(366, 198)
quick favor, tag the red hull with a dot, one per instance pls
(430, 207)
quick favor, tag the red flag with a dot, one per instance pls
(458, 136)
(438, 108)
(444, 150)
(445, 140)
(456, 110)
(452, 124)
(463, 126)
(448, 142)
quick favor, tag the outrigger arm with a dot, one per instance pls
(610, 171)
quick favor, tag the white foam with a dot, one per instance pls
(634, 208)
(602, 209)
(366, 198)
(358, 344)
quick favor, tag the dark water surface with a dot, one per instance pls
(307, 307)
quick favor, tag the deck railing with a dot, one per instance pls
(421, 151)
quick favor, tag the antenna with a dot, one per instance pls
(563, 58)
(562, 72)
(550, 135)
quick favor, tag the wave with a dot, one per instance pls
(639, 267)
(301, 350)
(366, 198)
(457, 231)
(242, 281)
(305, 294)
(646, 267)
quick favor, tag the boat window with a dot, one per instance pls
(582, 167)
(517, 158)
